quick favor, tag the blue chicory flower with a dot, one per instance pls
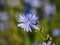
(43, 43)
(36, 3)
(49, 8)
(56, 32)
(28, 22)
(48, 43)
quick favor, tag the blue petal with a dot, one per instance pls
(34, 22)
(22, 18)
(34, 18)
(28, 28)
(21, 25)
(33, 26)
(44, 43)
(29, 16)
(49, 43)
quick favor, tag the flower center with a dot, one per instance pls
(28, 22)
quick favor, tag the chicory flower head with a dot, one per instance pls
(49, 8)
(28, 21)
(48, 43)
(56, 32)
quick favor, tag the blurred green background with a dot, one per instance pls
(10, 34)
